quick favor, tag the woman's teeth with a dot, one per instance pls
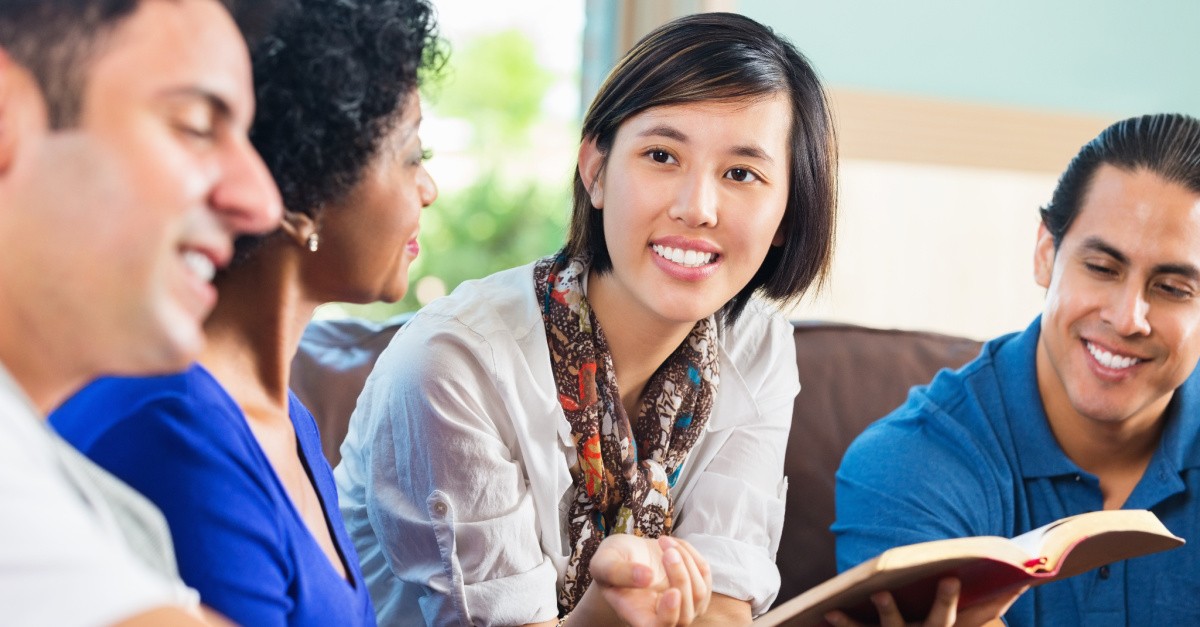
(688, 258)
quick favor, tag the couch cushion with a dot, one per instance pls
(850, 376)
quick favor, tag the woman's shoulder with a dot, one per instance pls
(188, 401)
(132, 391)
(761, 325)
(496, 308)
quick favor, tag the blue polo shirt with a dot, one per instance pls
(972, 454)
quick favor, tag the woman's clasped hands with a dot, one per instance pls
(645, 582)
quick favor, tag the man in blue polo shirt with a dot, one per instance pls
(1094, 406)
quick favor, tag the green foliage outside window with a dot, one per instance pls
(497, 85)
(509, 215)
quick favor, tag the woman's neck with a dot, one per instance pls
(255, 328)
(638, 341)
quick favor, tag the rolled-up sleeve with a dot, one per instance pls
(445, 495)
(732, 511)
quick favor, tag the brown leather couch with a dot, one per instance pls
(850, 376)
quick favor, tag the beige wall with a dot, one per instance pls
(933, 247)
(638, 17)
(938, 204)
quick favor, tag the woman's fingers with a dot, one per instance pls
(699, 573)
(668, 608)
(614, 566)
(680, 580)
(620, 573)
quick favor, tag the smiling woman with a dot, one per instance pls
(598, 436)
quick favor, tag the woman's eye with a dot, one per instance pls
(421, 156)
(741, 175)
(661, 156)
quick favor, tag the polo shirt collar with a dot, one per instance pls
(1181, 437)
(1038, 453)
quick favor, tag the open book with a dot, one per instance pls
(988, 566)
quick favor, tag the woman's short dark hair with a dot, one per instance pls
(1167, 144)
(724, 56)
(330, 80)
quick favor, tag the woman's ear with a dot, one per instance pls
(301, 227)
(591, 166)
(777, 241)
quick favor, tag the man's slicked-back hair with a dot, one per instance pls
(726, 57)
(1167, 144)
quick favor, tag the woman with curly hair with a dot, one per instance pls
(225, 449)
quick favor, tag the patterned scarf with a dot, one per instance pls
(624, 469)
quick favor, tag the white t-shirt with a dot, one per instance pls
(455, 475)
(77, 546)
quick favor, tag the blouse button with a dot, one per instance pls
(1105, 572)
(439, 508)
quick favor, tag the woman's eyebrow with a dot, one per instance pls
(752, 151)
(662, 130)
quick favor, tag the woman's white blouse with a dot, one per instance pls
(454, 478)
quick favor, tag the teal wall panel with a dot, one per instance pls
(1107, 57)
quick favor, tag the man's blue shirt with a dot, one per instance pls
(972, 454)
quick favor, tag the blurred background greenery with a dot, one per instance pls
(503, 155)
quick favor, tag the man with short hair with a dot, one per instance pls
(125, 173)
(1096, 405)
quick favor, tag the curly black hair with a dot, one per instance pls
(330, 80)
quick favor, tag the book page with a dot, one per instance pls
(1032, 542)
(1080, 543)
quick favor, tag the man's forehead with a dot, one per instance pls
(1138, 209)
(176, 46)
